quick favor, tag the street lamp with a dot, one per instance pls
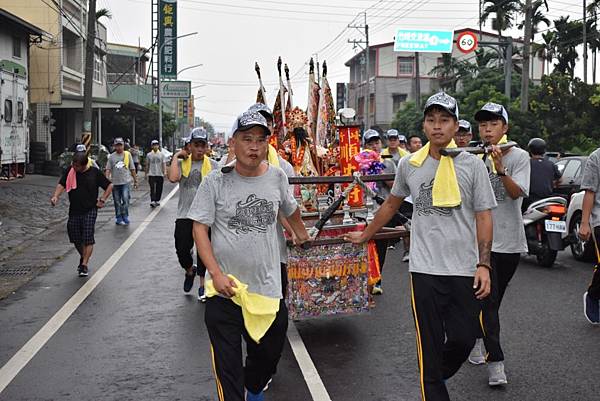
(160, 141)
(189, 68)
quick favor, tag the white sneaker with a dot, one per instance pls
(405, 257)
(497, 377)
(476, 357)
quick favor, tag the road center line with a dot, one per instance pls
(12, 368)
(309, 371)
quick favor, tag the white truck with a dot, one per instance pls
(14, 130)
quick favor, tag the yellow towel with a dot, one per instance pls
(126, 158)
(402, 152)
(502, 141)
(259, 312)
(90, 162)
(273, 156)
(186, 166)
(446, 192)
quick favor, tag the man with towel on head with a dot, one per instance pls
(451, 241)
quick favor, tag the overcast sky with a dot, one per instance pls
(233, 34)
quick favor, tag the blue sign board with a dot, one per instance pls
(423, 41)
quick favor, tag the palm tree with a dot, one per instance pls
(545, 51)
(451, 71)
(592, 9)
(538, 17)
(103, 12)
(505, 11)
(568, 37)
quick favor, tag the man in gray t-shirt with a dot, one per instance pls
(155, 172)
(241, 208)
(120, 169)
(509, 174)
(590, 228)
(188, 168)
(451, 240)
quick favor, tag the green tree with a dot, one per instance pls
(545, 51)
(538, 17)
(103, 12)
(568, 36)
(505, 11)
(566, 109)
(409, 120)
(451, 71)
(146, 126)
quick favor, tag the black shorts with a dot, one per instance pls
(80, 227)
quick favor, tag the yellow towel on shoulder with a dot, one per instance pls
(259, 312)
(273, 156)
(186, 166)
(126, 159)
(90, 162)
(502, 141)
(446, 192)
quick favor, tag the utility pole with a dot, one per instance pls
(364, 29)
(417, 82)
(508, 67)
(585, 55)
(90, 43)
(526, 58)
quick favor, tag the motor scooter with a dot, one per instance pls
(545, 222)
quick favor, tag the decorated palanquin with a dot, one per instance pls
(328, 277)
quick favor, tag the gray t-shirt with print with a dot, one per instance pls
(119, 174)
(444, 240)
(155, 162)
(591, 182)
(509, 232)
(288, 169)
(242, 213)
(189, 185)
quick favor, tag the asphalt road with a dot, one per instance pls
(138, 337)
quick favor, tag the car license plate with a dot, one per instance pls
(556, 226)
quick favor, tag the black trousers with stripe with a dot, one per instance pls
(504, 266)
(446, 318)
(594, 288)
(156, 187)
(225, 326)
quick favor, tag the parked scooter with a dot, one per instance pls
(545, 223)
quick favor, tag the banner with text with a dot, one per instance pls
(167, 22)
(350, 146)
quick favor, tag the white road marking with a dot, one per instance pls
(12, 368)
(309, 371)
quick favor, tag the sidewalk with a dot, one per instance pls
(33, 234)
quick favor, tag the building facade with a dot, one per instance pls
(57, 67)
(15, 38)
(391, 78)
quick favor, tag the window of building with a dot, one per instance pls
(397, 101)
(8, 111)
(406, 66)
(97, 68)
(16, 47)
(20, 112)
(372, 103)
(360, 111)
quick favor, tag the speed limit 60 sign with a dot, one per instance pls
(466, 42)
